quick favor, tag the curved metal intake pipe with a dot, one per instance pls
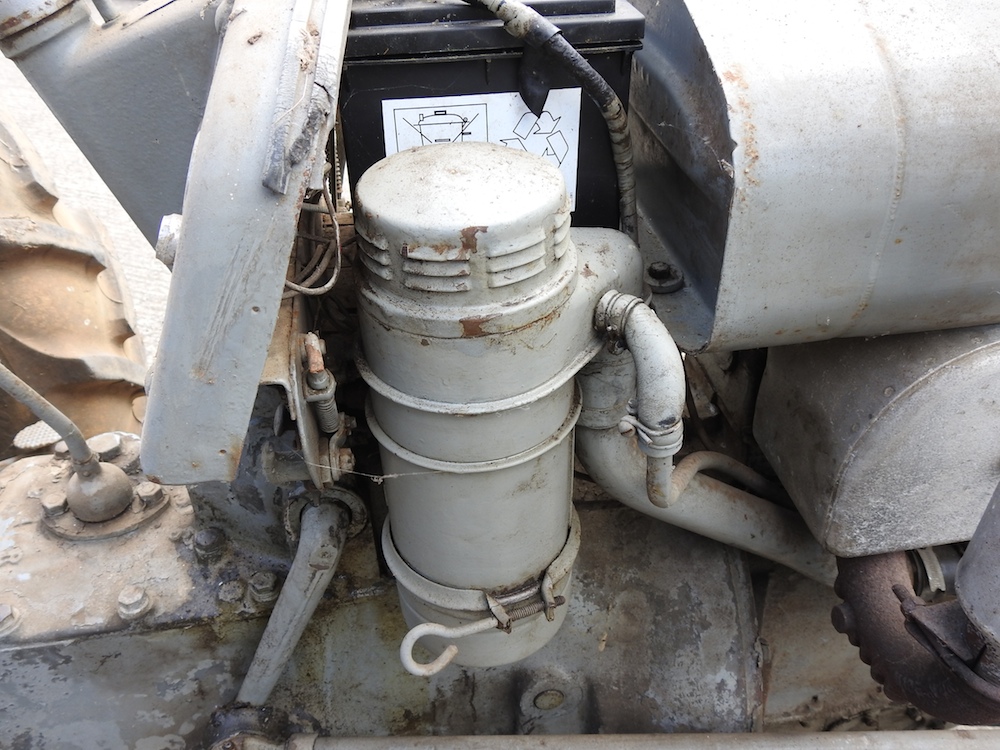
(659, 385)
(897, 641)
(707, 507)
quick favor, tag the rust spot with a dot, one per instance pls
(255, 37)
(443, 247)
(469, 240)
(586, 272)
(424, 342)
(899, 240)
(10, 23)
(314, 357)
(235, 451)
(472, 327)
(736, 76)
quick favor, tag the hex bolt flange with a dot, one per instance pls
(263, 587)
(107, 445)
(133, 603)
(54, 503)
(149, 493)
(664, 278)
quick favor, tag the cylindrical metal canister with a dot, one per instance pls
(470, 359)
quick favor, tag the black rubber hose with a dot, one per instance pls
(531, 27)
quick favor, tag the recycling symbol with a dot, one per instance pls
(540, 135)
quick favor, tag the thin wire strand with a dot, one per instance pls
(333, 248)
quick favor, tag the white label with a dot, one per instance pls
(498, 118)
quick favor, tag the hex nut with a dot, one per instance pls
(54, 503)
(263, 587)
(664, 278)
(107, 445)
(209, 544)
(231, 592)
(149, 493)
(133, 603)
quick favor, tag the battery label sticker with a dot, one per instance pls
(498, 118)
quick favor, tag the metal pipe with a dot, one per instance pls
(42, 408)
(706, 507)
(659, 386)
(965, 739)
(324, 531)
(871, 616)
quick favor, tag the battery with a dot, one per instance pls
(419, 72)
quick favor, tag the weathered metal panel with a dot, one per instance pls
(885, 444)
(862, 169)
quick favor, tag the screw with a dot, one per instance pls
(133, 603)
(263, 587)
(54, 504)
(664, 278)
(107, 446)
(549, 699)
(208, 544)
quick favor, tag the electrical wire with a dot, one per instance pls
(530, 26)
(333, 252)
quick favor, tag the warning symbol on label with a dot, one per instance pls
(540, 135)
(422, 126)
(500, 118)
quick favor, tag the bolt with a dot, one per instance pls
(133, 603)
(263, 587)
(664, 278)
(54, 504)
(549, 699)
(845, 622)
(107, 445)
(231, 591)
(149, 493)
(208, 544)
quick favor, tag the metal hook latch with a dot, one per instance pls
(442, 631)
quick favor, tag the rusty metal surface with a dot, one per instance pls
(872, 618)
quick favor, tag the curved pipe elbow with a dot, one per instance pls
(872, 618)
(708, 507)
(659, 379)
